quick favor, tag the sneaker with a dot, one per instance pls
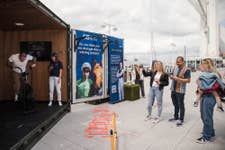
(172, 119)
(202, 140)
(60, 103)
(179, 122)
(50, 104)
(220, 108)
(16, 97)
(148, 118)
(156, 120)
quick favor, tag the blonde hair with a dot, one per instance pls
(210, 64)
(161, 66)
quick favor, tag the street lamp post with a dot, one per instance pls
(173, 48)
(185, 52)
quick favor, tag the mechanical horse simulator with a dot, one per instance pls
(26, 98)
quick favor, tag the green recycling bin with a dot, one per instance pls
(131, 92)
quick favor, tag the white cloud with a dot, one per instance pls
(174, 21)
(221, 11)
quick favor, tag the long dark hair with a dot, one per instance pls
(136, 72)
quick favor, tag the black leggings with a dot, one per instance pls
(141, 83)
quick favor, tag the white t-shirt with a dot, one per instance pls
(141, 74)
(156, 78)
(17, 63)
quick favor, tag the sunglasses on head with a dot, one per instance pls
(205, 62)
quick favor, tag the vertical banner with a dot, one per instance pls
(116, 69)
(89, 68)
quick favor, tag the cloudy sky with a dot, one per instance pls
(173, 21)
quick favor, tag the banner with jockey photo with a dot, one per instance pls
(115, 69)
(89, 68)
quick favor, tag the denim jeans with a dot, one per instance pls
(207, 106)
(121, 88)
(158, 94)
(178, 102)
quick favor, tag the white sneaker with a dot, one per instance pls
(50, 104)
(156, 120)
(202, 140)
(60, 103)
(148, 118)
(179, 123)
(16, 97)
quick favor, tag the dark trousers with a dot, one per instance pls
(141, 83)
(207, 106)
(136, 81)
(178, 102)
(142, 88)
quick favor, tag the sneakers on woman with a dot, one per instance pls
(220, 108)
(16, 98)
(156, 120)
(148, 118)
(202, 140)
(60, 103)
(50, 104)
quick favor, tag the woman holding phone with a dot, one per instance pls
(55, 75)
(158, 80)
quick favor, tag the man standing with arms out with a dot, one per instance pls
(181, 76)
(18, 62)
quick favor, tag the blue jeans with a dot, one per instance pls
(158, 94)
(207, 106)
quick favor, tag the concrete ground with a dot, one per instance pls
(133, 132)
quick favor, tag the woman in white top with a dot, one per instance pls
(159, 79)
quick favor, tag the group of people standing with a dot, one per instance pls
(18, 63)
(209, 86)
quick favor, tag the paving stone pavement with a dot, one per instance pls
(133, 132)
